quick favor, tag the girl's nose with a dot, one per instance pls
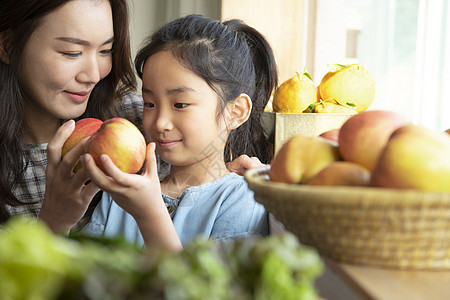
(163, 121)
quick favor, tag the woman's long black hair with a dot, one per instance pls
(18, 20)
(233, 58)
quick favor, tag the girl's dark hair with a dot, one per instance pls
(18, 20)
(233, 58)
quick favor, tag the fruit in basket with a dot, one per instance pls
(83, 128)
(122, 141)
(332, 135)
(295, 94)
(364, 135)
(332, 106)
(341, 173)
(415, 157)
(302, 157)
(348, 84)
(447, 131)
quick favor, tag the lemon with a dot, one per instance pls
(334, 107)
(295, 94)
(350, 84)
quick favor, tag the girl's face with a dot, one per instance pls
(180, 112)
(65, 57)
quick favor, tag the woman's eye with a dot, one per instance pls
(149, 105)
(71, 54)
(180, 105)
(107, 52)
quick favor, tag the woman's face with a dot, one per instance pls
(65, 57)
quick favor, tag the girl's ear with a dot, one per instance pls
(239, 111)
(4, 56)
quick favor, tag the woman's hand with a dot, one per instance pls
(139, 195)
(243, 163)
(67, 196)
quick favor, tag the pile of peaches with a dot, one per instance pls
(374, 148)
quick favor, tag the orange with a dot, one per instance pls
(295, 94)
(349, 84)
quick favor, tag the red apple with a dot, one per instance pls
(122, 141)
(332, 135)
(364, 135)
(83, 128)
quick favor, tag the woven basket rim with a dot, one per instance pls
(258, 181)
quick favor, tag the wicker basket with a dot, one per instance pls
(401, 229)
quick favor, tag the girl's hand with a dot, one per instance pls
(139, 195)
(243, 163)
(67, 196)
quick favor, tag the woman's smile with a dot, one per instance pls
(78, 97)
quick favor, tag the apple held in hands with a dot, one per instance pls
(122, 141)
(83, 128)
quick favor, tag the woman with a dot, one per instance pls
(60, 60)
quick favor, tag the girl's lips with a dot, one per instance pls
(167, 144)
(77, 97)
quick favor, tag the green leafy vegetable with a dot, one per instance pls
(35, 264)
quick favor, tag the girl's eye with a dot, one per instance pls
(180, 105)
(149, 105)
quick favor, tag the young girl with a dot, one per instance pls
(204, 85)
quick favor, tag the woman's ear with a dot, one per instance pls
(4, 56)
(239, 111)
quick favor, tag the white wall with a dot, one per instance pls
(147, 15)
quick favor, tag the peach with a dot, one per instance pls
(415, 157)
(363, 136)
(332, 135)
(302, 157)
(342, 173)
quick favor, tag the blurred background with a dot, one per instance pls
(405, 44)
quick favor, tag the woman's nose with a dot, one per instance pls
(90, 71)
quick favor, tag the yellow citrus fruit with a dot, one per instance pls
(295, 94)
(350, 84)
(334, 107)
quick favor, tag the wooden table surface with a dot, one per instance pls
(381, 284)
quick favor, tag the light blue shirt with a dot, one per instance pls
(222, 209)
